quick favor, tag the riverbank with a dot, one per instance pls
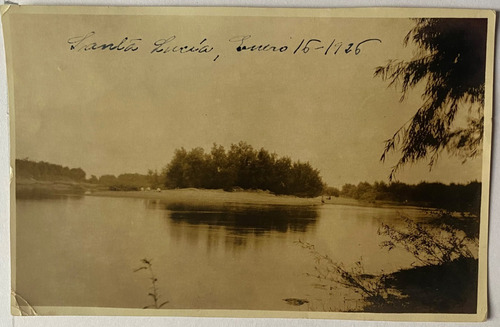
(212, 197)
(450, 287)
(243, 197)
(30, 188)
(374, 204)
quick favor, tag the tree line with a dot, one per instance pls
(454, 197)
(242, 166)
(45, 171)
(124, 182)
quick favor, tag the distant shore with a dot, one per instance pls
(244, 197)
(256, 197)
(32, 188)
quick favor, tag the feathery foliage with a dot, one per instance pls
(450, 60)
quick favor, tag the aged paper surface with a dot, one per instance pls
(226, 161)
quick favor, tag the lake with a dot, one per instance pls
(83, 250)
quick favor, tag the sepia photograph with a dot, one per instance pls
(253, 162)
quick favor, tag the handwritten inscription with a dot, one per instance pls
(166, 46)
(86, 43)
(247, 46)
(304, 46)
(239, 44)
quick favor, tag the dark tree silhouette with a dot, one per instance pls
(244, 167)
(46, 171)
(450, 59)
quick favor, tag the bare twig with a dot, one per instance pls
(154, 293)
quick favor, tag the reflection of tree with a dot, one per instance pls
(450, 60)
(235, 225)
(246, 220)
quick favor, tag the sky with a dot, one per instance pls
(111, 112)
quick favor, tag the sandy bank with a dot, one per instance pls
(201, 196)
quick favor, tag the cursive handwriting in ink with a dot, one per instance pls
(240, 44)
(86, 43)
(167, 46)
(304, 46)
(240, 40)
(335, 47)
(358, 47)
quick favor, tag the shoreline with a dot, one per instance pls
(206, 196)
(29, 188)
(220, 197)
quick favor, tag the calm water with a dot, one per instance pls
(82, 251)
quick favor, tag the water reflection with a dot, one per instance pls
(82, 252)
(243, 219)
(232, 228)
(41, 195)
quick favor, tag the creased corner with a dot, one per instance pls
(4, 8)
(20, 307)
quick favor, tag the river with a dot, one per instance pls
(82, 251)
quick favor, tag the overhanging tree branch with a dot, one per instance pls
(450, 59)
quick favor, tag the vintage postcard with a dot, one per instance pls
(245, 162)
